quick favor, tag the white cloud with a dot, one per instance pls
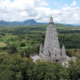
(24, 14)
(70, 15)
(74, 3)
(20, 10)
(56, 3)
(27, 8)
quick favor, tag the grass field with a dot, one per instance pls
(25, 47)
(2, 44)
(8, 37)
(3, 53)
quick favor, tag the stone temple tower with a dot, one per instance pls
(51, 50)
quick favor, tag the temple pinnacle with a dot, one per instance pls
(51, 20)
(51, 50)
(51, 15)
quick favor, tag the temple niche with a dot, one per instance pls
(51, 49)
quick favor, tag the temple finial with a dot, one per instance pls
(51, 15)
(51, 20)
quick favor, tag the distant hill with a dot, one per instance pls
(15, 23)
(72, 24)
(31, 22)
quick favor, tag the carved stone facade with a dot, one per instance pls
(51, 50)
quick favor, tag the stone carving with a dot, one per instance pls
(51, 50)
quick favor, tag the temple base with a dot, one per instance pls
(51, 59)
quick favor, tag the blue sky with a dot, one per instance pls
(61, 3)
(63, 11)
(12, 0)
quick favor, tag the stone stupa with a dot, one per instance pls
(51, 50)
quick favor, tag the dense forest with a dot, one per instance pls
(14, 41)
(14, 67)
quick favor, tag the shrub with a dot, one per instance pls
(0, 36)
(69, 53)
(22, 44)
(25, 52)
(12, 49)
(75, 50)
(5, 48)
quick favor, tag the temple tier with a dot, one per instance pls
(51, 50)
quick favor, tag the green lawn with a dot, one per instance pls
(2, 44)
(25, 47)
(8, 37)
(3, 53)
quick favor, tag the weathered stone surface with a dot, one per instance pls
(41, 48)
(51, 50)
(63, 54)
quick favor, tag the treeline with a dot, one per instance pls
(14, 67)
(32, 29)
(36, 35)
(24, 30)
(64, 31)
(70, 40)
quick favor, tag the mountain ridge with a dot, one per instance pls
(28, 22)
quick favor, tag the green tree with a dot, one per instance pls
(12, 49)
(25, 52)
(72, 70)
(69, 53)
(22, 44)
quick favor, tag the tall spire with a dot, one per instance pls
(51, 15)
(51, 20)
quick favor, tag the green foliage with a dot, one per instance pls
(31, 35)
(14, 67)
(69, 53)
(21, 67)
(3, 48)
(0, 36)
(12, 49)
(73, 70)
(32, 50)
(22, 44)
(25, 52)
(28, 51)
(75, 50)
